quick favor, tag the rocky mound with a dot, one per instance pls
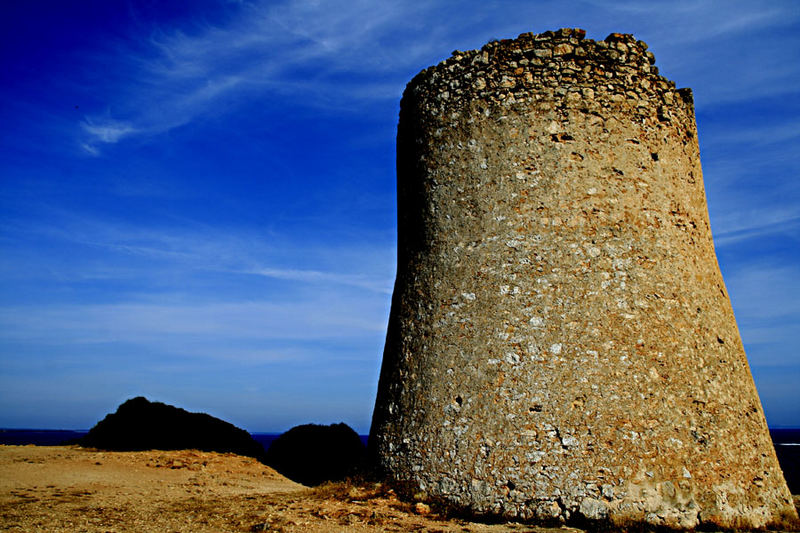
(140, 424)
(312, 454)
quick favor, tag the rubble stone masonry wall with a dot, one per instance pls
(561, 343)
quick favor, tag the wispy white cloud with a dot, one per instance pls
(182, 311)
(109, 132)
(766, 291)
(700, 22)
(129, 251)
(346, 55)
(104, 131)
(318, 318)
(319, 53)
(90, 148)
(315, 276)
(766, 298)
(753, 224)
(773, 132)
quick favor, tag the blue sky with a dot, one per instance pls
(197, 199)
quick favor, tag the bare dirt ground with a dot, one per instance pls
(71, 489)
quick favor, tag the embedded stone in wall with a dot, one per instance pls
(561, 344)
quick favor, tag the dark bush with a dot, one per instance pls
(140, 424)
(312, 454)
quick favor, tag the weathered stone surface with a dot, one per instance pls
(561, 343)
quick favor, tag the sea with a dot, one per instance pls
(786, 441)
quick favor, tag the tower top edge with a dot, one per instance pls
(563, 59)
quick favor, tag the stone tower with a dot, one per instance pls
(561, 344)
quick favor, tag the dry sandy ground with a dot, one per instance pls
(71, 489)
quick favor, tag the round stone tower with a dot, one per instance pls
(561, 343)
